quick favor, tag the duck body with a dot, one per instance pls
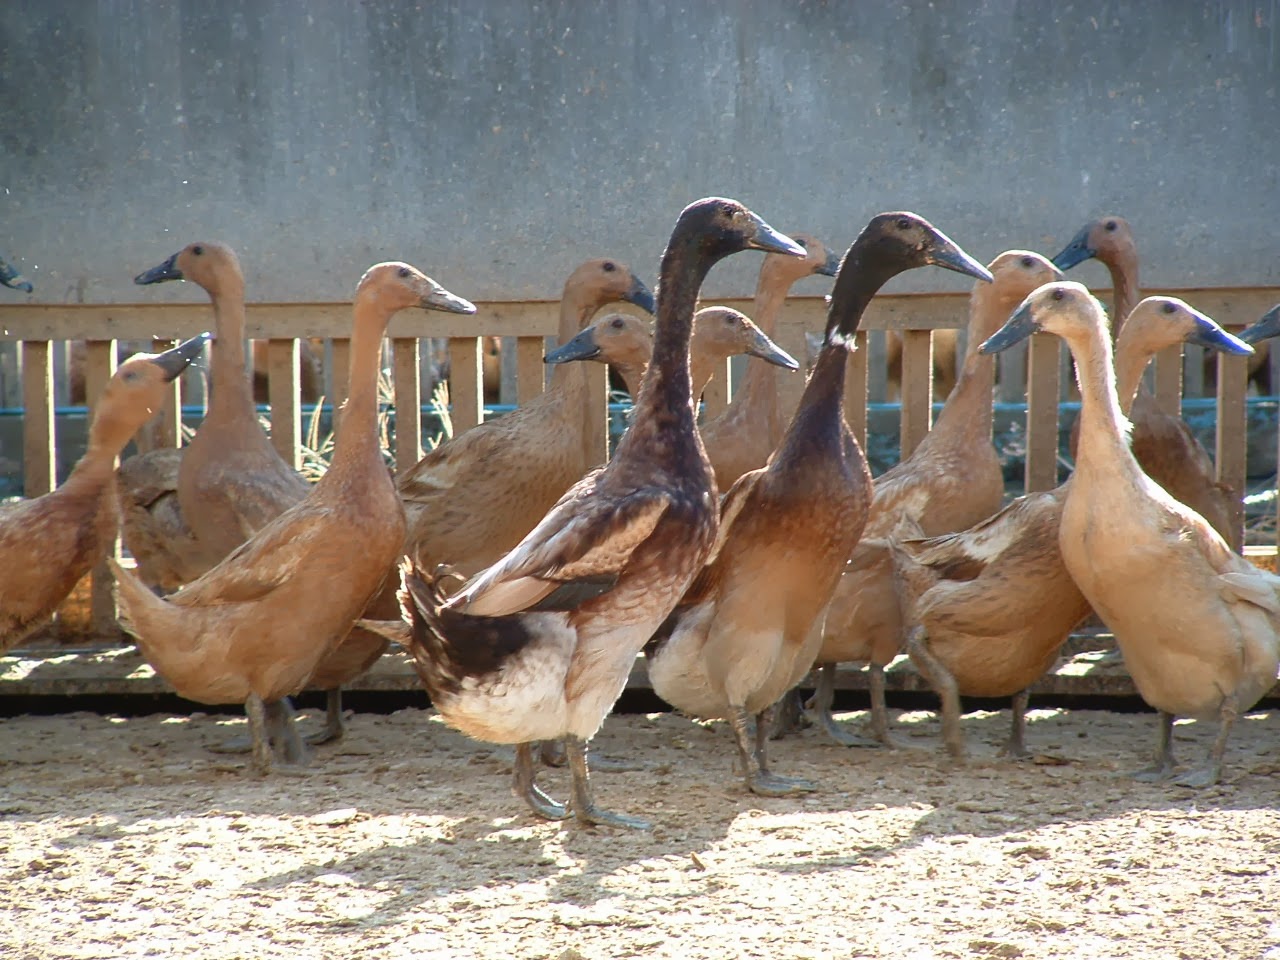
(49, 543)
(255, 627)
(474, 497)
(748, 629)
(539, 645)
(1198, 625)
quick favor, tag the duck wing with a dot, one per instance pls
(576, 553)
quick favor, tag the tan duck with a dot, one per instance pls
(952, 480)
(523, 461)
(748, 628)
(747, 432)
(1198, 625)
(49, 543)
(625, 343)
(254, 628)
(992, 605)
(540, 645)
(1167, 450)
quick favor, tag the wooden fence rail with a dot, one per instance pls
(36, 332)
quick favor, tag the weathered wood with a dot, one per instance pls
(1229, 441)
(39, 449)
(100, 366)
(855, 388)
(530, 370)
(408, 391)
(466, 384)
(1042, 413)
(282, 394)
(917, 389)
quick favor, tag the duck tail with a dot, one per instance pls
(132, 598)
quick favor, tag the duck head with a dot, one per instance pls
(1058, 307)
(396, 286)
(210, 264)
(908, 240)
(614, 338)
(722, 332)
(721, 226)
(1267, 327)
(604, 280)
(785, 269)
(1107, 238)
(1160, 322)
(138, 389)
(11, 276)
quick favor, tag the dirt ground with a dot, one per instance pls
(126, 838)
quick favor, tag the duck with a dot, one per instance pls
(624, 342)
(1166, 448)
(294, 580)
(1268, 326)
(11, 277)
(749, 429)
(538, 646)
(47, 544)
(952, 480)
(989, 608)
(748, 628)
(524, 460)
(1197, 624)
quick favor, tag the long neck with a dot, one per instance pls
(1124, 281)
(968, 411)
(758, 394)
(576, 311)
(356, 437)
(1104, 431)
(230, 394)
(632, 373)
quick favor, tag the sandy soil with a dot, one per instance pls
(126, 838)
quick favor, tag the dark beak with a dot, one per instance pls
(581, 347)
(771, 241)
(10, 276)
(1075, 252)
(947, 253)
(441, 299)
(1209, 334)
(165, 271)
(1019, 326)
(832, 266)
(174, 361)
(766, 349)
(1265, 328)
(639, 295)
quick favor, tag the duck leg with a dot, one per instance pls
(291, 752)
(1162, 768)
(788, 717)
(753, 757)
(879, 706)
(583, 803)
(259, 738)
(944, 684)
(552, 754)
(334, 728)
(1210, 772)
(524, 786)
(1015, 747)
(818, 710)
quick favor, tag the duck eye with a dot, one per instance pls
(803, 243)
(1028, 262)
(904, 223)
(616, 323)
(197, 250)
(1169, 308)
(404, 272)
(1111, 225)
(1059, 294)
(609, 266)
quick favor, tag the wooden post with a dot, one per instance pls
(530, 370)
(1229, 440)
(855, 388)
(39, 452)
(100, 366)
(509, 384)
(917, 389)
(408, 390)
(466, 384)
(282, 394)
(1042, 413)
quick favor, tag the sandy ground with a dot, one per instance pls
(126, 838)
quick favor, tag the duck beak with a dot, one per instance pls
(1019, 326)
(10, 276)
(581, 347)
(1075, 252)
(1264, 329)
(639, 295)
(441, 299)
(832, 265)
(158, 274)
(771, 241)
(1209, 334)
(764, 348)
(174, 361)
(946, 253)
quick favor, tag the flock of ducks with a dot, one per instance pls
(524, 578)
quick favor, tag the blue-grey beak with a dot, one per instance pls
(1266, 328)
(581, 347)
(771, 241)
(832, 265)
(174, 361)
(160, 273)
(1209, 334)
(1019, 326)
(766, 349)
(1075, 252)
(945, 252)
(639, 295)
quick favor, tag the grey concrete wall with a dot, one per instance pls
(496, 143)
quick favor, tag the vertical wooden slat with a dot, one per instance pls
(530, 370)
(100, 365)
(855, 388)
(596, 416)
(162, 429)
(1229, 441)
(1169, 380)
(917, 389)
(282, 394)
(408, 390)
(509, 384)
(39, 454)
(466, 384)
(1042, 413)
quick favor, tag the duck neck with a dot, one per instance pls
(968, 413)
(356, 439)
(229, 393)
(1104, 430)
(757, 397)
(632, 373)
(1123, 267)
(1131, 363)
(576, 311)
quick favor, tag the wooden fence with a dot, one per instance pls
(31, 336)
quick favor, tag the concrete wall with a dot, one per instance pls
(496, 143)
